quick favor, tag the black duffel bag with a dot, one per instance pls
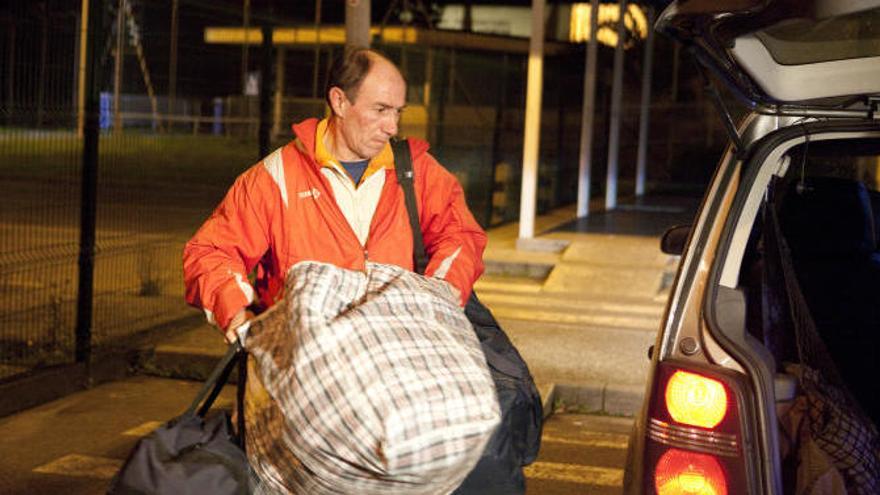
(518, 438)
(195, 453)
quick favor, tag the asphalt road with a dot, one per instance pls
(74, 445)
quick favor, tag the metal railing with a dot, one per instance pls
(94, 218)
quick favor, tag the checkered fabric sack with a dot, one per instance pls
(366, 383)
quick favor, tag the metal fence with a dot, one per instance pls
(98, 200)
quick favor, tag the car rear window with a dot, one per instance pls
(806, 41)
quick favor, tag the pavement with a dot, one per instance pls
(582, 316)
(75, 445)
(582, 312)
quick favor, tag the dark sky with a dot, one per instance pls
(203, 70)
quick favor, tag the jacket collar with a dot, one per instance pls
(307, 131)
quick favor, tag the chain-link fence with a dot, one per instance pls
(177, 118)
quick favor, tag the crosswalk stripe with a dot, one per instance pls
(617, 321)
(84, 466)
(142, 430)
(642, 309)
(575, 473)
(593, 440)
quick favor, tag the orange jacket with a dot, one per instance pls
(280, 212)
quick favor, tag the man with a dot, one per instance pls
(331, 195)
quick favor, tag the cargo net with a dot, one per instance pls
(837, 423)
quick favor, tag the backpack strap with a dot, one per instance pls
(404, 169)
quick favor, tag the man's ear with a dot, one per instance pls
(338, 101)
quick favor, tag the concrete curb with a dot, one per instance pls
(594, 398)
(557, 398)
(537, 271)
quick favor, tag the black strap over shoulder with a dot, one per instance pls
(404, 170)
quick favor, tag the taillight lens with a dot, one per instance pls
(679, 472)
(695, 432)
(696, 400)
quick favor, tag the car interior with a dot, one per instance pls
(811, 278)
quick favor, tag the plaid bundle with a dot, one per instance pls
(366, 383)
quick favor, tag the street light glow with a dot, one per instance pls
(579, 30)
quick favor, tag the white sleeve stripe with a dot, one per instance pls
(245, 287)
(446, 264)
(275, 166)
(210, 316)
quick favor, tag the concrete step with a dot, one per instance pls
(617, 250)
(190, 354)
(517, 285)
(606, 281)
(580, 355)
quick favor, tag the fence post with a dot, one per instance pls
(266, 92)
(91, 133)
(216, 125)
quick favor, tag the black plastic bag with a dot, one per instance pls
(518, 438)
(195, 453)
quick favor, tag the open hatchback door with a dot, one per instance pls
(788, 55)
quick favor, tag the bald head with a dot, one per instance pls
(367, 95)
(349, 71)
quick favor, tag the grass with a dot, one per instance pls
(127, 158)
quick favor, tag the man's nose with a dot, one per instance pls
(389, 126)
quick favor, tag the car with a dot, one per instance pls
(763, 376)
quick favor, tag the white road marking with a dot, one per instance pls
(142, 430)
(641, 309)
(84, 466)
(575, 473)
(623, 322)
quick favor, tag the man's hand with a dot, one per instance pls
(238, 320)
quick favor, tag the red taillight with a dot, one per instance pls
(695, 400)
(695, 433)
(679, 472)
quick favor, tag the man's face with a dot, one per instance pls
(366, 124)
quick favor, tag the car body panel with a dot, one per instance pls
(794, 98)
(750, 46)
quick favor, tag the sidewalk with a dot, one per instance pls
(583, 318)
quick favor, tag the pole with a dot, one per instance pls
(430, 111)
(588, 115)
(91, 132)
(317, 64)
(246, 21)
(676, 62)
(10, 72)
(357, 24)
(616, 113)
(497, 130)
(172, 60)
(647, 74)
(265, 92)
(117, 77)
(44, 49)
(451, 83)
(279, 91)
(532, 133)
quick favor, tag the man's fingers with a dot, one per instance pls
(240, 318)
